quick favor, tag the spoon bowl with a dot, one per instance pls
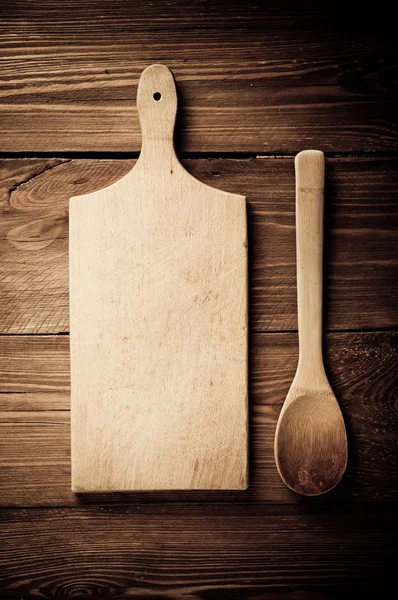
(311, 443)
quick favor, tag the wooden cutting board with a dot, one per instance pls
(158, 321)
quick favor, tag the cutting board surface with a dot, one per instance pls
(158, 320)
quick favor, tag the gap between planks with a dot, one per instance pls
(257, 332)
(101, 155)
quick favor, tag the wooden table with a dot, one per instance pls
(257, 83)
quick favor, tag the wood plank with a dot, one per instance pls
(251, 78)
(180, 14)
(32, 364)
(35, 444)
(191, 552)
(360, 245)
(36, 401)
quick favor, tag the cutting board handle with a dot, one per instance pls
(157, 109)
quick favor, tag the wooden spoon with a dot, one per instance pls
(310, 440)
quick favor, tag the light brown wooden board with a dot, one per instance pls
(158, 316)
(360, 237)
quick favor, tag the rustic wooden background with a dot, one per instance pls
(257, 82)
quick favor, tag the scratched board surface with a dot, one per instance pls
(257, 82)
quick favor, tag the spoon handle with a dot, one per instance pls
(310, 181)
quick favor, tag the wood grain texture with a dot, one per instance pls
(310, 437)
(158, 321)
(195, 552)
(362, 368)
(361, 214)
(179, 14)
(32, 364)
(260, 78)
(264, 79)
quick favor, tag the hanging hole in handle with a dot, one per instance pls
(157, 96)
